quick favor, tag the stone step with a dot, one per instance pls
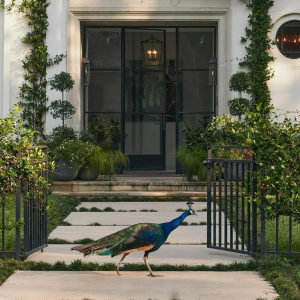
(130, 186)
(30, 285)
(159, 206)
(124, 194)
(183, 235)
(192, 255)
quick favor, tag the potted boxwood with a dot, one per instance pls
(69, 157)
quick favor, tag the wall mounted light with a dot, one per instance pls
(213, 71)
(86, 71)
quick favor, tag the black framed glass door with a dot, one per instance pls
(147, 85)
(145, 98)
(196, 99)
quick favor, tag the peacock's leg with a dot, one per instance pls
(119, 264)
(146, 262)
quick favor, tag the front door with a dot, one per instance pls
(147, 86)
(145, 93)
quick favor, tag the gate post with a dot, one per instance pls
(262, 223)
(208, 165)
(254, 207)
(18, 216)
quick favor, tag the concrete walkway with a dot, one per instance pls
(183, 235)
(185, 247)
(130, 218)
(158, 206)
(192, 255)
(25, 285)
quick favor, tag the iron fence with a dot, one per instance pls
(284, 238)
(32, 210)
(236, 213)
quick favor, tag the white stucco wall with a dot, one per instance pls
(285, 86)
(57, 44)
(65, 17)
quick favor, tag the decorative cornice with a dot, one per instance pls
(101, 12)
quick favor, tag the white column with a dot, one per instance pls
(1, 59)
(74, 49)
(5, 57)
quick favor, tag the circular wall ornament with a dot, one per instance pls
(288, 39)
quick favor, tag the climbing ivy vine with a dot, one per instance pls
(273, 135)
(258, 56)
(33, 96)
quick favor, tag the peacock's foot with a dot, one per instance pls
(117, 269)
(152, 275)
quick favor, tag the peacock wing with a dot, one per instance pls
(136, 237)
(143, 237)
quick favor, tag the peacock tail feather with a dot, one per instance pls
(134, 238)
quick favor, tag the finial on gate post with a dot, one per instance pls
(190, 204)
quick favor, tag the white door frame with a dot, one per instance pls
(105, 17)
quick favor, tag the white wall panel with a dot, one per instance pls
(57, 44)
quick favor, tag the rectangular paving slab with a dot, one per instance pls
(190, 235)
(131, 194)
(30, 285)
(159, 206)
(192, 255)
(130, 218)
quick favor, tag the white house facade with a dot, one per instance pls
(153, 65)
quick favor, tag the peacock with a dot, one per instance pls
(147, 237)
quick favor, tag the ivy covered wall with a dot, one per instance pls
(284, 86)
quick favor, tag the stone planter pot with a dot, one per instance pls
(64, 171)
(87, 174)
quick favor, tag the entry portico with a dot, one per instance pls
(151, 103)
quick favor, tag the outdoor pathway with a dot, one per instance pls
(184, 246)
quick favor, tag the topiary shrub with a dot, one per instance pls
(62, 109)
(240, 82)
(238, 106)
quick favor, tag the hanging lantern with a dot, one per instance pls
(153, 52)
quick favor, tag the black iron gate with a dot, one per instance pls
(236, 207)
(30, 210)
(231, 213)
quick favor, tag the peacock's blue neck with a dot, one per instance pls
(170, 226)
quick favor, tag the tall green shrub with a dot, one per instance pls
(16, 160)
